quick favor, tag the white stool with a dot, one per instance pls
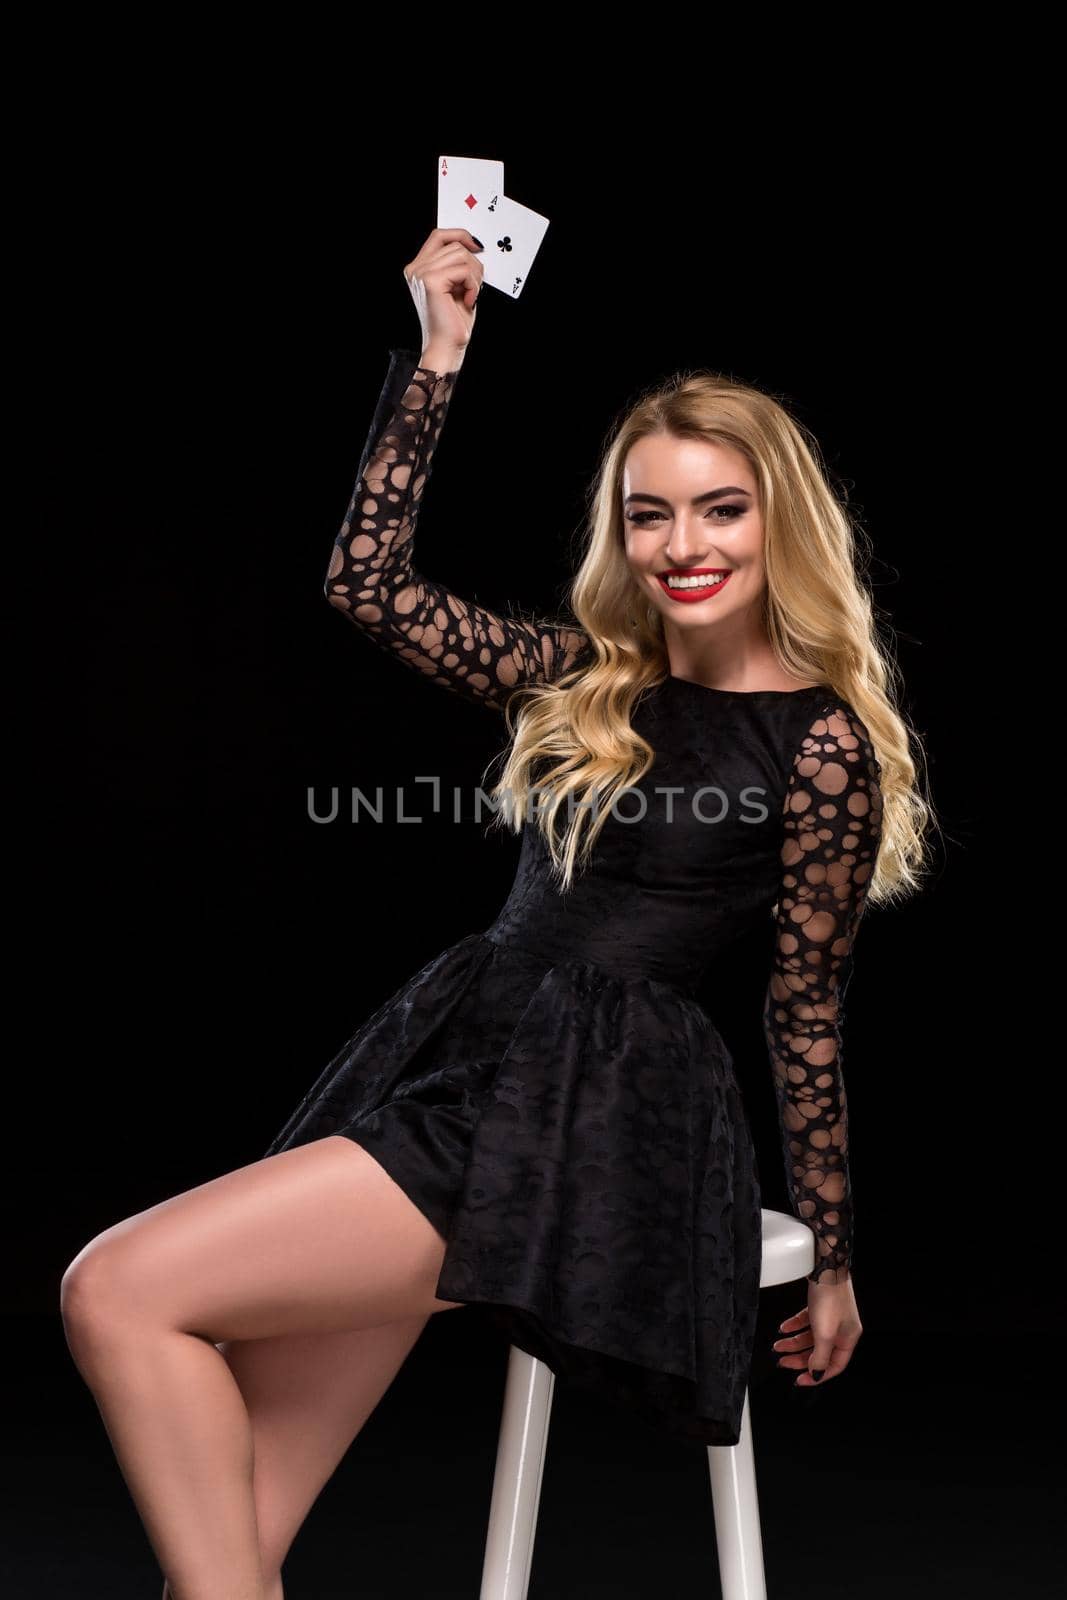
(788, 1254)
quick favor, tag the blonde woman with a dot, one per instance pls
(544, 1121)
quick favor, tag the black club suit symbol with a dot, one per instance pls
(504, 243)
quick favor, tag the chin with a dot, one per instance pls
(693, 616)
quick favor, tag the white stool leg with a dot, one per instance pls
(737, 1522)
(520, 1462)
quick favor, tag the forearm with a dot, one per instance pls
(806, 1056)
(371, 558)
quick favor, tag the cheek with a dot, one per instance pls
(639, 547)
(750, 544)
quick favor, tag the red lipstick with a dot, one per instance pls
(697, 592)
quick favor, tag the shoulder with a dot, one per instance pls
(832, 757)
(827, 720)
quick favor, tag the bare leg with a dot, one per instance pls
(307, 1397)
(312, 1241)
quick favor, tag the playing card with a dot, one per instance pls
(466, 188)
(512, 236)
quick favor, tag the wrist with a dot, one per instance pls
(442, 358)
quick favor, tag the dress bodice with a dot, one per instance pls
(688, 858)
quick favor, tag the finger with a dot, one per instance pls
(454, 250)
(454, 272)
(443, 242)
(822, 1350)
(798, 1345)
(456, 258)
(834, 1361)
(801, 1320)
(792, 1354)
(448, 235)
(840, 1357)
(473, 272)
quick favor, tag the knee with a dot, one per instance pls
(96, 1290)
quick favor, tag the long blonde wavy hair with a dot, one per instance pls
(572, 742)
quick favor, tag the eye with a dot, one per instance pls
(731, 512)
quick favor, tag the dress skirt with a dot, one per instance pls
(578, 1139)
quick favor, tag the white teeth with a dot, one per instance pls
(697, 583)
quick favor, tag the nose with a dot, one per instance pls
(688, 545)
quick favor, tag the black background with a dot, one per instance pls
(222, 284)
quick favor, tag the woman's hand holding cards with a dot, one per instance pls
(445, 279)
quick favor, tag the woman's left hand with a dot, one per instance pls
(823, 1336)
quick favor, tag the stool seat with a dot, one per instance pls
(788, 1249)
(788, 1253)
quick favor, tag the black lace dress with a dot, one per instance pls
(548, 1090)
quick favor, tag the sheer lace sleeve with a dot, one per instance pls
(371, 577)
(832, 819)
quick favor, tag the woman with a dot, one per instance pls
(544, 1122)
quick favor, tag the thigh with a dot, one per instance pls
(317, 1239)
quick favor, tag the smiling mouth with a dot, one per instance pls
(697, 584)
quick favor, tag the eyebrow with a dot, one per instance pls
(697, 500)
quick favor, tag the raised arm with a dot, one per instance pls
(371, 578)
(833, 818)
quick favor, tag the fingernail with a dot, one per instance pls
(817, 1373)
(477, 241)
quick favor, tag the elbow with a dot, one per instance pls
(346, 597)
